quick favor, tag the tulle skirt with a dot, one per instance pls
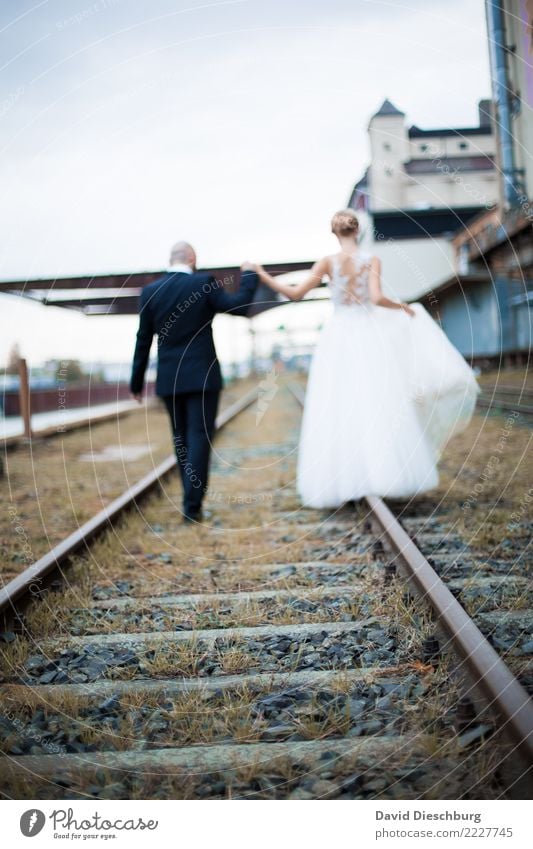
(384, 395)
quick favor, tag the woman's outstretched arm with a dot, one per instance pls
(295, 293)
(376, 293)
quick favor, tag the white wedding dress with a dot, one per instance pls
(385, 393)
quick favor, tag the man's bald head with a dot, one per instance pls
(184, 253)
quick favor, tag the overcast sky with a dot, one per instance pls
(238, 125)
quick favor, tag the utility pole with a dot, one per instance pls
(24, 397)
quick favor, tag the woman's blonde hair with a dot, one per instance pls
(344, 223)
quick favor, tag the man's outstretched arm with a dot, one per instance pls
(237, 303)
(145, 334)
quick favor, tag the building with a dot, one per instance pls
(485, 305)
(510, 37)
(420, 187)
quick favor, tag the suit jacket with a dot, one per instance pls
(180, 308)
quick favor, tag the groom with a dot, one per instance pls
(180, 307)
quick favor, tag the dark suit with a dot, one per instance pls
(180, 308)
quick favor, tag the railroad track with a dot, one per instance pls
(60, 427)
(273, 653)
(507, 399)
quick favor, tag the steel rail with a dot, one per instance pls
(506, 398)
(495, 403)
(512, 391)
(505, 695)
(30, 581)
(489, 672)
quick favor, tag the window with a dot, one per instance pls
(463, 145)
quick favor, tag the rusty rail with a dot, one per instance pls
(30, 581)
(506, 398)
(506, 405)
(505, 695)
(510, 391)
(489, 672)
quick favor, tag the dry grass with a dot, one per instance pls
(205, 717)
(218, 614)
(13, 657)
(436, 778)
(159, 660)
(518, 377)
(506, 596)
(408, 615)
(52, 491)
(236, 661)
(485, 484)
(228, 558)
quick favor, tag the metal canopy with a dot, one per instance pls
(118, 294)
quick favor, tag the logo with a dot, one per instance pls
(32, 822)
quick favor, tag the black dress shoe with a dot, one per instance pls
(192, 517)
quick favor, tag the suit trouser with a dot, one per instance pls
(192, 417)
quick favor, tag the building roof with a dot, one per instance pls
(420, 223)
(118, 294)
(363, 182)
(461, 281)
(387, 108)
(359, 195)
(415, 132)
(491, 229)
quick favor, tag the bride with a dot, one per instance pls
(386, 388)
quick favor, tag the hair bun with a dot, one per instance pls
(344, 223)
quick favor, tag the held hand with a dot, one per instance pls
(409, 310)
(137, 396)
